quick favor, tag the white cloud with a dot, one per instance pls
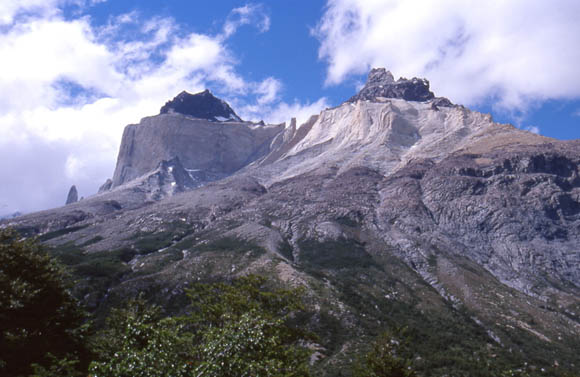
(248, 14)
(69, 88)
(517, 52)
(284, 112)
(533, 129)
(37, 54)
(9, 9)
(12, 9)
(301, 112)
(268, 90)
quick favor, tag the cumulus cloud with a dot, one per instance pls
(248, 14)
(10, 10)
(514, 53)
(70, 87)
(268, 90)
(284, 112)
(36, 174)
(533, 129)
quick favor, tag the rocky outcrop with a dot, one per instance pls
(202, 105)
(169, 178)
(381, 84)
(208, 149)
(106, 186)
(73, 195)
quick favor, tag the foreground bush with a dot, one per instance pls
(40, 322)
(233, 329)
(138, 342)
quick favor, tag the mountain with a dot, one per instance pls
(209, 139)
(10, 215)
(202, 105)
(396, 209)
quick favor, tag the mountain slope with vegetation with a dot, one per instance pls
(407, 215)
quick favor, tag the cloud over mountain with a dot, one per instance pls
(70, 82)
(516, 53)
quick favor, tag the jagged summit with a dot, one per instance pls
(381, 83)
(203, 105)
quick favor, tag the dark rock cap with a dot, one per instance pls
(381, 83)
(202, 105)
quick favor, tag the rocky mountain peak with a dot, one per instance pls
(203, 105)
(381, 83)
(380, 76)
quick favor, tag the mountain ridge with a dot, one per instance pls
(390, 202)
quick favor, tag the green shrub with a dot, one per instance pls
(385, 360)
(138, 342)
(334, 254)
(40, 322)
(232, 329)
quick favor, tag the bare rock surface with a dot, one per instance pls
(381, 84)
(217, 149)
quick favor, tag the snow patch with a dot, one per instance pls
(230, 117)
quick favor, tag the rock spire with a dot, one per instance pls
(381, 83)
(73, 195)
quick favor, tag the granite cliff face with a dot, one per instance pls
(394, 208)
(209, 139)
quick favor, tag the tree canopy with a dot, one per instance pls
(231, 329)
(40, 321)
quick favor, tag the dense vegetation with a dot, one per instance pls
(233, 328)
(40, 322)
(242, 327)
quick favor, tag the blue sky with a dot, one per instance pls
(73, 73)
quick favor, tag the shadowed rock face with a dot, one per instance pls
(72, 196)
(106, 186)
(202, 105)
